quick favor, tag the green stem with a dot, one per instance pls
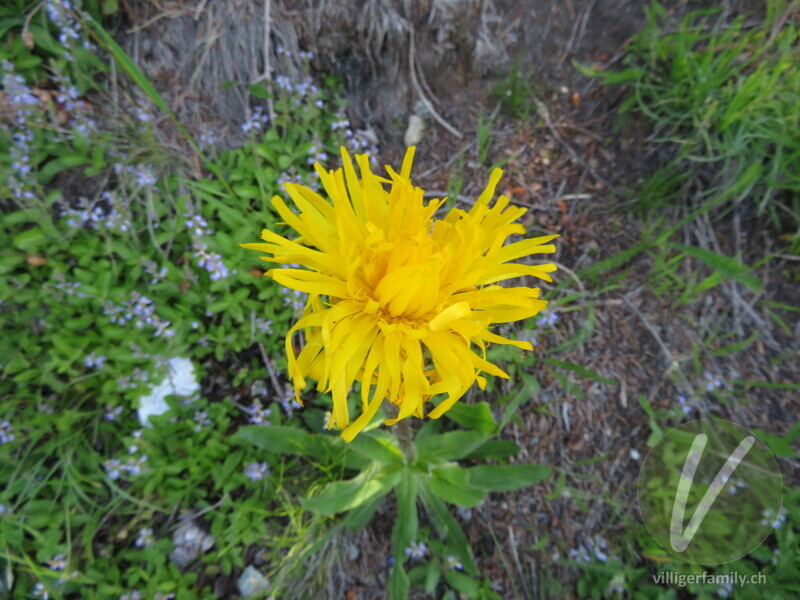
(404, 433)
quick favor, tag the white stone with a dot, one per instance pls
(413, 134)
(179, 381)
(251, 581)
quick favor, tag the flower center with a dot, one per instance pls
(401, 277)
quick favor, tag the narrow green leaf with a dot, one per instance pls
(727, 265)
(523, 395)
(495, 449)
(737, 347)
(613, 262)
(407, 522)
(447, 526)
(581, 370)
(504, 478)
(359, 517)
(399, 584)
(432, 577)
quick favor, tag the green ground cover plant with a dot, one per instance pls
(102, 283)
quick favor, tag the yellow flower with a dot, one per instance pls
(399, 298)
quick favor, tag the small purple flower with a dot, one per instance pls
(134, 465)
(263, 325)
(684, 404)
(295, 299)
(113, 468)
(142, 115)
(201, 420)
(6, 432)
(256, 471)
(289, 403)
(256, 121)
(453, 563)
(594, 546)
(580, 554)
(416, 550)
(57, 563)
(145, 177)
(145, 538)
(258, 414)
(207, 139)
(772, 519)
(112, 412)
(40, 591)
(94, 362)
(547, 318)
(712, 382)
(530, 337)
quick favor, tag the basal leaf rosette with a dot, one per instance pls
(399, 300)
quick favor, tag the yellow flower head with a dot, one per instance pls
(399, 298)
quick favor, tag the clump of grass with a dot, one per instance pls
(727, 96)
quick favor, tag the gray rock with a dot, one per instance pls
(189, 542)
(251, 581)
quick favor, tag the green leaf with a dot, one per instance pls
(495, 449)
(432, 576)
(505, 478)
(259, 91)
(345, 495)
(449, 446)
(447, 526)
(728, 266)
(359, 517)
(526, 393)
(377, 445)
(780, 445)
(581, 370)
(736, 347)
(30, 240)
(451, 483)
(266, 153)
(463, 584)
(274, 438)
(407, 522)
(473, 416)
(611, 263)
(247, 192)
(399, 584)
(55, 166)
